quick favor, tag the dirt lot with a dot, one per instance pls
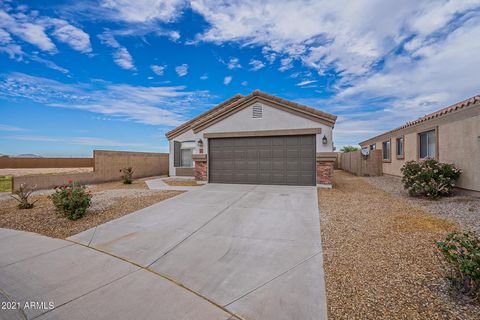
(181, 182)
(110, 200)
(31, 171)
(380, 256)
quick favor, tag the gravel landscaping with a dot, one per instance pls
(463, 210)
(380, 256)
(110, 201)
(181, 182)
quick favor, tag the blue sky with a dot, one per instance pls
(116, 74)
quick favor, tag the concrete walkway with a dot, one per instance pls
(83, 283)
(159, 184)
(254, 250)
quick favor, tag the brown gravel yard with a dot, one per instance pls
(380, 256)
(110, 201)
(461, 208)
(181, 182)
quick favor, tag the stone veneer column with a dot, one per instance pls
(325, 164)
(201, 167)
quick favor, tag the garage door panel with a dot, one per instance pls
(265, 165)
(263, 160)
(307, 140)
(278, 153)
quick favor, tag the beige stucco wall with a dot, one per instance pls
(241, 121)
(458, 143)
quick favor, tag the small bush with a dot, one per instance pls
(71, 201)
(429, 177)
(22, 194)
(462, 252)
(127, 174)
(349, 149)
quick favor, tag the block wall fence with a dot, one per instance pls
(107, 166)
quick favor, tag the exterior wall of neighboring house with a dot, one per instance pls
(242, 121)
(457, 142)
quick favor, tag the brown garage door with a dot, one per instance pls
(263, 160)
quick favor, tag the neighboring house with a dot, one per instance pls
(449, 135)
(255, 139)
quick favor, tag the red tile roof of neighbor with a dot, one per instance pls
(238, 100)
(434, 115)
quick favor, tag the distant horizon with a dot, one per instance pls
(96, 74)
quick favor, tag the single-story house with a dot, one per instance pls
(449, 135)
(255, 139)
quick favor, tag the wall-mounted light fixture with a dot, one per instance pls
(324, 139)
(200, 143)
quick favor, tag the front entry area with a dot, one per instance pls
(272, 160)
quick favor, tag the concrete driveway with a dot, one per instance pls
(217, 252)
(253, 249)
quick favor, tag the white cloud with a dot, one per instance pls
(27, 29)
(121, 56)
(76, 38)
(227, 80)
(156, 105)
(204, 76)
(305, 83)
(256, 64)
(233, 63)
(182, 70)
(244, 83)
(6, 127)
(87, 141)
(157, 69)
(144, 10)
(285, 64)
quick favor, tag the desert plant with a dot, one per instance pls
(127, 174)
(349, 149)
(429, 177)
(71, 201)
(462, 253)
(22, 194)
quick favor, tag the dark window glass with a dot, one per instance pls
(386, 150)
(428, 144)
(400, 146)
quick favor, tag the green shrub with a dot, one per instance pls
(22, 194)
(429, 177)
(71, 200)
(462, 252)
(127, 174)
(349, 149)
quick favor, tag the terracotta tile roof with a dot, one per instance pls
(237, 100)
(434, 115)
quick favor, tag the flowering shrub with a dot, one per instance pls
(429, 178)
(127, 174)
(462, 252)
(71, 200)
(22, 194)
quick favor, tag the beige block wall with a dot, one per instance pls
(458, 143)
(107, 168)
